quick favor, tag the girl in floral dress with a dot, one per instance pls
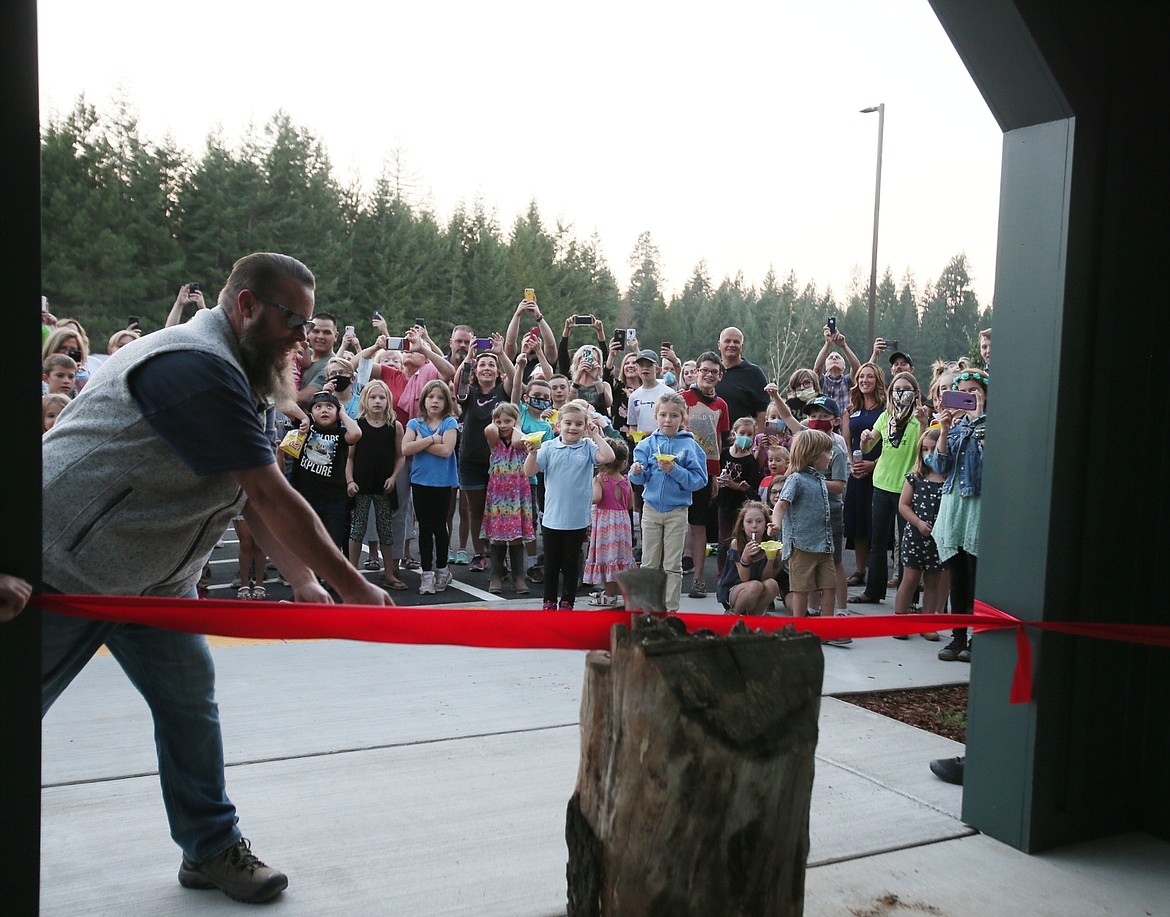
(507, 518)
(611, 542)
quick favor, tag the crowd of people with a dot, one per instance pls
(546, 461)
(561, 459)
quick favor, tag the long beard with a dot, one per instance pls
(268, 372)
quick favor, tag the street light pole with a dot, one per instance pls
(877, 200)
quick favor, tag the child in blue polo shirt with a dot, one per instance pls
(567, 462)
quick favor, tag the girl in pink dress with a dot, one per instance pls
(507, 518)
(611, 542)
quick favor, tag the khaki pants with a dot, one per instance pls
(662, 547)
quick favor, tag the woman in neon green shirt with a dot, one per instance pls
(898, 429)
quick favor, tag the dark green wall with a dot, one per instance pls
(1075, 502)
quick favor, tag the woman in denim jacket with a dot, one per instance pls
(959, 455)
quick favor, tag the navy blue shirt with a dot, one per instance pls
(203, 408)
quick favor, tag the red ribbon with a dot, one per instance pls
(525, 629)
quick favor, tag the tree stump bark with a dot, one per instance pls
(696, 773)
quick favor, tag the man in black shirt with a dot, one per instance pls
(742, 384)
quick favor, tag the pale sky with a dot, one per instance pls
(730, 134)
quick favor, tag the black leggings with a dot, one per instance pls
(430, 509)
(962, 570)
(562, 561)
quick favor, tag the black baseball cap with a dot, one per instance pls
(325, 398)
(901, 353)
(825, 403)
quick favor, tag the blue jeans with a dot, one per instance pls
(175, 674)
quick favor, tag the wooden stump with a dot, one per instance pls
(696, 773)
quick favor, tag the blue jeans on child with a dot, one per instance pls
(174, 673)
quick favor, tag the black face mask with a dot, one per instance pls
(541, 404)
(340, 383)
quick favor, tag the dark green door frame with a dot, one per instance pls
(1074, 500)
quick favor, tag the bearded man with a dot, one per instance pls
(143, 472)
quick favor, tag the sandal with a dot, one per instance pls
(863, 599)
(393, 583)
(259, 594)
(410, 563)
(856, 579)
(604, 601)
(373, 565)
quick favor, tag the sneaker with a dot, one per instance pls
(535, 574)
(237, 872)
(450, 557)
(479, 563)
(838, 641)
(688, 564)
(565, 605)
(245, 593)
(949, 769)
(698, 590)
(461, 558)
(548, 606)
(950, 652)
(442, 578)
(427, 586)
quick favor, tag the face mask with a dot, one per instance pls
(807, 394)
(820, 423)
(743, 442)
(902, 399)
(541, 404)
(669, 378)
(340, 382)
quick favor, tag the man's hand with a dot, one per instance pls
(14, 595)
(312, 592)
(366, 594)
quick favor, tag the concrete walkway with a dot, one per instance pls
(411, 780)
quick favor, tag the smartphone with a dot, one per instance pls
(395, 343)
(619, 337)
(483, 343)
(831, 324)
(193, 287)
(421, 322)
(773, 427)
(131, 321)
(666, 345)
(582, 319)
(892, 346)
(377, 316)
(349, 331)
(964, 401)
(631, 336)
(530, 294)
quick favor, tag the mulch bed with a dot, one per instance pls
(941, 710)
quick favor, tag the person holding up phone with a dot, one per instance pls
(959, 455)
(526, 316)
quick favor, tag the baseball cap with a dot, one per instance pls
(825, 403)
(646, 355)
(325, 398)
(901, 353)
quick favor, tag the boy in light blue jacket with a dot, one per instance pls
(670, 465)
